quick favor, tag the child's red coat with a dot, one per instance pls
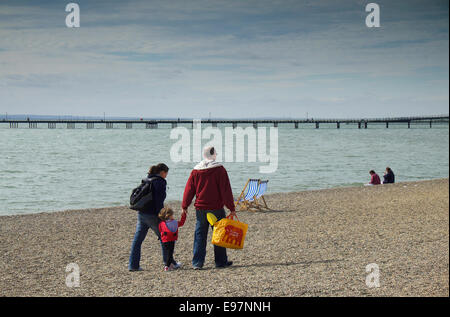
(166, 234)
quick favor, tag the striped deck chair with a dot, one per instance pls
(262, 188)
(245, 201)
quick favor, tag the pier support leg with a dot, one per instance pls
(151, 125)
(359, 125)
(70, 125)
(317, 125)
(196, 124)
(234, 125)
(275, 124)
(338, 125)
(255, 125)
(13, 125)
(296, 125)
(129, 125)
(365, 125)
(214, 124)
(387, 125)
(409, 124)
(89, 125)
(174, 125)
(431, 124)
(52, 125)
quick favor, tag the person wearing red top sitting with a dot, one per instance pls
(168, 227)
(374, 178)
(210, 184)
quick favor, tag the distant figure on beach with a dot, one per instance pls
(388, 177)
(210, 184)
(148, 219)
(374, 178)
(168, 227)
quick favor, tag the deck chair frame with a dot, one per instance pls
(253, 203)
(243, 202)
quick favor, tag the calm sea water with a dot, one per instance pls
(50, 170)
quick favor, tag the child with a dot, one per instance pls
(168, 228)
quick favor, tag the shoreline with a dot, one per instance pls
(312, 243)
(172, 202)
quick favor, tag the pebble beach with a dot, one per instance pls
(312, 243)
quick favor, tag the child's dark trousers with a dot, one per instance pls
(169, 247)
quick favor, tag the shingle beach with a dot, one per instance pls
(313, 243)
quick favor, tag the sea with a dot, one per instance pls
(46, 170)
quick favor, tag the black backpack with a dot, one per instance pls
(142, 195)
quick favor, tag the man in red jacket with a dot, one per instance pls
(210, 184)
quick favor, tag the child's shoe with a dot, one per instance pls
(169, 268)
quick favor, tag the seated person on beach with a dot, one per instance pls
(168, 227)
(388, 177)
(374, 178)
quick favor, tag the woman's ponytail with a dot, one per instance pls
(154, 170)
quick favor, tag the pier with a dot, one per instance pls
(361, 123)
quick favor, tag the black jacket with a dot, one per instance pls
(159, 195)
(389, 178)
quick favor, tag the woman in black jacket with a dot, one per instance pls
(148, 219)
(389, 177)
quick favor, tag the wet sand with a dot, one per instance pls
(313, 243)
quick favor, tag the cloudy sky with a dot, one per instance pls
(233, 58)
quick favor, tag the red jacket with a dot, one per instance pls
(375, 179)
(211, 187)
(166, 234)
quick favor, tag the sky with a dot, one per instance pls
(224, 59)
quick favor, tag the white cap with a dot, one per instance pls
(209, 153)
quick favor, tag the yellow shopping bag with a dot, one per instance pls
(229, 233)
